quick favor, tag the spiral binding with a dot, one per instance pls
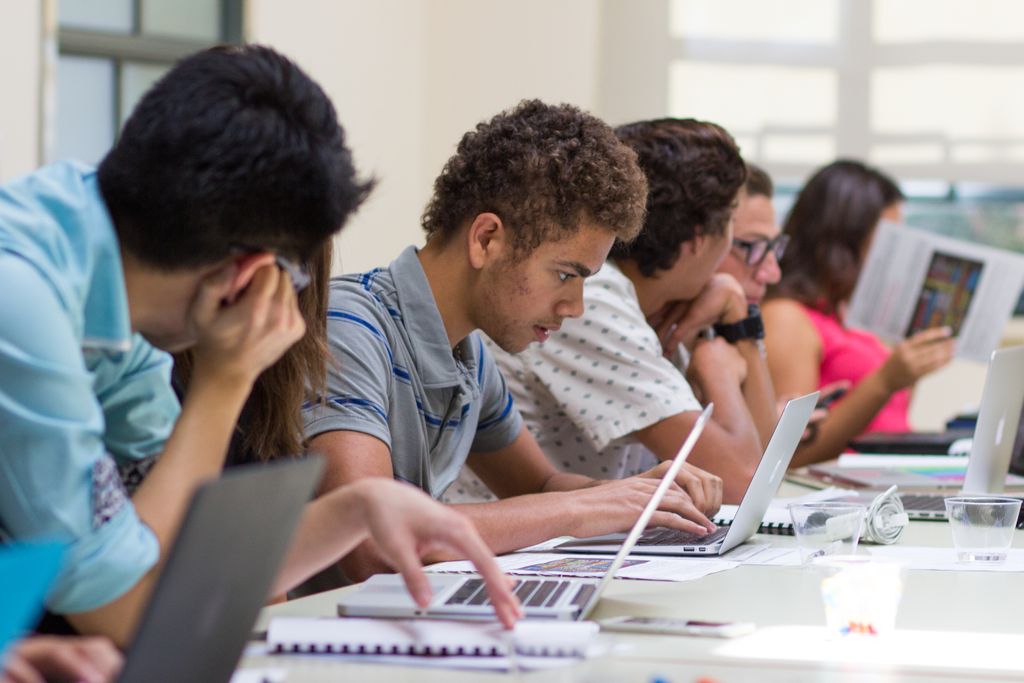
(885, 519)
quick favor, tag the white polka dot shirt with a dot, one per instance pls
(585, 391)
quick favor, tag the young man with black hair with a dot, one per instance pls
(526, 209)
(231, 168)
(600, 395)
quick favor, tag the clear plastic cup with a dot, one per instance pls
(982, 526)
(861, 593)
(826, 528)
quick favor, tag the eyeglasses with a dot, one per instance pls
(297, 271)
(756, 251)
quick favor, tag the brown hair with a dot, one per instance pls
(271, 424)
(543, 169)
(829, 226)
(759, 183)
(694, 171)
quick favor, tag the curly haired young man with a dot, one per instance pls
(601, 395)
(528, 207)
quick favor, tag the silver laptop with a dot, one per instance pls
(997, 436)
(465, 597)
(762, 488)
(219, 573)
(993, 446)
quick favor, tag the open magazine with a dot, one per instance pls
(913, 280)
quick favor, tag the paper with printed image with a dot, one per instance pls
(914, 280)
(590, 566)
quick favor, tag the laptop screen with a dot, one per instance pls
(1017, 456)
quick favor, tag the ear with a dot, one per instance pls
(693, 247)
(486, 240)
(246, 266)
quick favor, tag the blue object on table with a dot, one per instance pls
(27, 571)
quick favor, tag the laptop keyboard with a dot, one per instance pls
(531, 593)
(924, 503)
(664, 536)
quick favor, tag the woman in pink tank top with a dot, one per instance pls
(830, 228)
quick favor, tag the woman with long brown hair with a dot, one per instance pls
(270, 425)
(830, 228)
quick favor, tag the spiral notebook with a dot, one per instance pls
(428, 637)
(776, 521)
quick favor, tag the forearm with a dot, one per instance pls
(758, 391)
(195, 452)
(736, 445)
(849, 418)
(331, 526)
(567, 481)
(505, 525)
(514, 523)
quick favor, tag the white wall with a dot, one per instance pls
(484, 56)
(368, 57)
(409, 77)
(20, 78)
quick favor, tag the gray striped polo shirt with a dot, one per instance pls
(398, 379)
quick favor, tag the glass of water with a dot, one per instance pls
(982, 526)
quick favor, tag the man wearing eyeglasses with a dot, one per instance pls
(620, 388)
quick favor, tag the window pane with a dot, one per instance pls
(746, 99)
(197, 19)
(903, 21)
(85, 108)
(798, 149)
(776, 21)
(114, 16)
(981, 104)
(135, 81)
(886, 154)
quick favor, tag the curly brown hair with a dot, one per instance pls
(543, 169)
(694, 170)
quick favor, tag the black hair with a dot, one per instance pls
(235, 147)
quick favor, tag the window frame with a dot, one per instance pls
(137, 47)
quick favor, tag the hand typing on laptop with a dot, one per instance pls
(614, 505)
(704, 488)
(404, 524)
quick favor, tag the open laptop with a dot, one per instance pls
(465, 597)
(219, 573)
(997, 442)
(758, 496)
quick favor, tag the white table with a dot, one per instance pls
(779, 600)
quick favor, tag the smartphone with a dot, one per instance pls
(825, 400)
(682, 627)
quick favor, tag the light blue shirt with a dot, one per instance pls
(79, 393)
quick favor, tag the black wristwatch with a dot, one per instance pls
(750, 327)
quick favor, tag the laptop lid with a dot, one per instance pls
(649, 509)
(768, 477)
(998, 419)
(219, 573)
(1017, 459)
(27, 570)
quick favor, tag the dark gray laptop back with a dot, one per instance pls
(219, 573)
